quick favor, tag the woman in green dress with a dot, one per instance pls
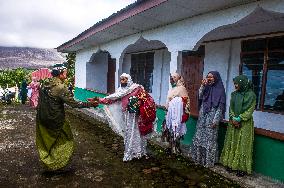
(54, 139)
(238, 147)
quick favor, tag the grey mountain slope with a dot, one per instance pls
(31, 58)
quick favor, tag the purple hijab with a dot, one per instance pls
(214, 95)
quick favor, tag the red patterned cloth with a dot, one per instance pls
(185, 115)
(42, 74)
(147, 113)
(125, 99)
(147, 108)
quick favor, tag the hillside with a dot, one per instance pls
(25, 57)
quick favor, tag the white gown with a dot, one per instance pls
(126, 125)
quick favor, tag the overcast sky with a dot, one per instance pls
(50, 23)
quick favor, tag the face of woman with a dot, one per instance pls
(63, 75)
(171, 80)
(237, 87)
(175, 78)
(210, 79)
(123, 80)
(34, 79)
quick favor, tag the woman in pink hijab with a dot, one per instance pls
(34, 85)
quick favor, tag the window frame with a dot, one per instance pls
(145, 58)
(265, 71)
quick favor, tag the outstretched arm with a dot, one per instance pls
(68, 99)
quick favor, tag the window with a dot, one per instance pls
(141, 70)
(262, 60)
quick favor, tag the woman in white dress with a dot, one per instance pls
(124, 120)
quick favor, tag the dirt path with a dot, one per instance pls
(97, 160)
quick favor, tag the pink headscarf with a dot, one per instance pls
(34, 79)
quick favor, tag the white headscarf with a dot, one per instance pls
(122, 91)
(129, 79)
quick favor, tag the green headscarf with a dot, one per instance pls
(242, 99)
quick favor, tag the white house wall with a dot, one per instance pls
(269, 121)
(179, 36)
(224, 56)
(126, 64)
(161, 74)
(82, 58)
(184, 35)
(97, 73)
(217, 58)
(165, 77)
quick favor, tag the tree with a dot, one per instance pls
(13, 77)
(71, 58)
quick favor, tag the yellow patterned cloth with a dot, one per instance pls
(55, 147)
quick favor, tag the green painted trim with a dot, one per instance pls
(268, 152)
(161, 117)
(269, 157)
(83, 94)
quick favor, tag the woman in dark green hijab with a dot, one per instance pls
(238, 147)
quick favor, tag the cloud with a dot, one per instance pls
(50, 23)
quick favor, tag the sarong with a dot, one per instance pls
(55, 147)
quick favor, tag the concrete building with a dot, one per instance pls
(152, 38)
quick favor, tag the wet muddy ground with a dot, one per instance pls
(97, 160)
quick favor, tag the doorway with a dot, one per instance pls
(111, 75)
(192, 72)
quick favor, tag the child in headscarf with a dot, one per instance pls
(204, 149)
(34, 86)
(238, 147)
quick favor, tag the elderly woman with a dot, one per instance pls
(178, 112)
(204, 149)
(238, 147)
(131, 111)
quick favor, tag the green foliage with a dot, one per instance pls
(13, 77)
(71, 58)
